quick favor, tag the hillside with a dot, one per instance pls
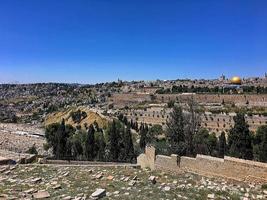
(90, 118)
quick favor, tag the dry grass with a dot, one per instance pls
(91, 117)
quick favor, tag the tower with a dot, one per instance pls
(222, 77)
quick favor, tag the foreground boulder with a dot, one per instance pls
(41, 195)
(152, 179)
(99, 193)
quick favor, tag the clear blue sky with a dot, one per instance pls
(90, 41)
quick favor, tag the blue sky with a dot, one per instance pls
(89, 41)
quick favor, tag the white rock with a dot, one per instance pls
(99, 193)
(36, 180)
(30, 191)
(247, 195)
(167, 188)
(132, 183)
(99, 176)
(211, 196)
(41, 195)
(126, 179)
(152, 179)
(56, 187)
(67, 198)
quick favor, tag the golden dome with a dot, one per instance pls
(236, 80)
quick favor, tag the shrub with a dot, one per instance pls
(32, 150)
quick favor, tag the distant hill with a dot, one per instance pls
(88, 119)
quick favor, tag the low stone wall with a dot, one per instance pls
(147, 160)
(229, 168)
(76, 162)
(168, 163)
(6, 161)
(22, 158)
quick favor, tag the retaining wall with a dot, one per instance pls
(229, 168)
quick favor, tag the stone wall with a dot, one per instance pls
(77, 162)
(213, 122)
(147, 160)
(120, 100)
(228, 168)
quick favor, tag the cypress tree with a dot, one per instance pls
(240, 140)
(260, 144)
(143, 132)
(90, 143)
(114, 142)
(125, 120)
(191, 126)
(132, 124)
(128, 145)
(136, 126)
(51, 137)
(68, 151)
(175, 131)
(61, 140)
(201, 142)
(77, 147)
(222, 145)
(101, 145)
(212, 144)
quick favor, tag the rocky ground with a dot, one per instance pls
(80, 182)
(20, 137)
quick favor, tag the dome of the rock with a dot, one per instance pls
(236, 80)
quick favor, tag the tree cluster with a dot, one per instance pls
(93, 144)
(184, 138)
(182, 128)
(132, 124)
(78, 116)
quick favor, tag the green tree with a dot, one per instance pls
(78, 116)
(153, 133)
(114, 139)
(260, 144)
(100, 146)
(90, 143)
(128, 145)
(191, 127)
(78, 140)
(222, 146)
(68, 152)
(143, 139)
(171, 104)
(32, 150)
(240, 140)
(50, 135)
(175, 131)
(201, 142)
(212, 144)
(61, 140)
